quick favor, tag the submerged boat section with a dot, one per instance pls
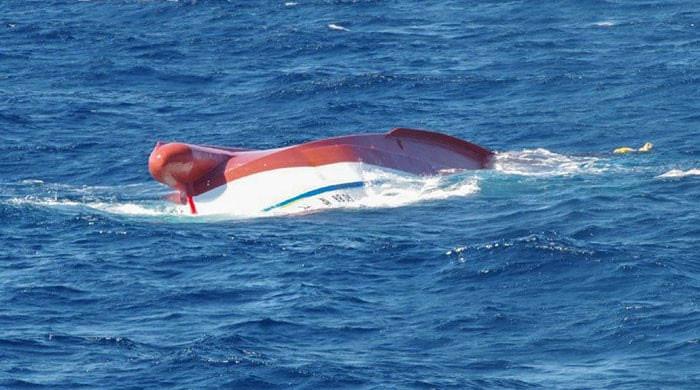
(322, 173)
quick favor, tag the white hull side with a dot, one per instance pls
(292, 190)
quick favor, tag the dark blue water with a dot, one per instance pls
(567, 267)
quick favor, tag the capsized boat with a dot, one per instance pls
(325, 173)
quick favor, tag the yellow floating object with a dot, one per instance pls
(647, 147)
(626, 149)
(623, 150)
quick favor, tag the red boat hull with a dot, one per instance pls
(195, 170)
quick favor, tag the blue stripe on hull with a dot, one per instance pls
(342, 186)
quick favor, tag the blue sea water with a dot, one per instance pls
(564, 267)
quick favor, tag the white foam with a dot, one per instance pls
(542, 162)
(337, 27)
(117, 208)
(389, 190)
(32, 182)
(605, 23)
(47, 202)
(678, 173)
(136, 209)
(384, 189)
(290, 4)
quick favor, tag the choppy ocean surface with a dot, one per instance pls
(565, 267)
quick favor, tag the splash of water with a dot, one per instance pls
(544, 163)
(388, 190)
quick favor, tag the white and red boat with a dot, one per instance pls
(324, 173)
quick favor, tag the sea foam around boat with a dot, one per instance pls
(382, 190)
(542, 162)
